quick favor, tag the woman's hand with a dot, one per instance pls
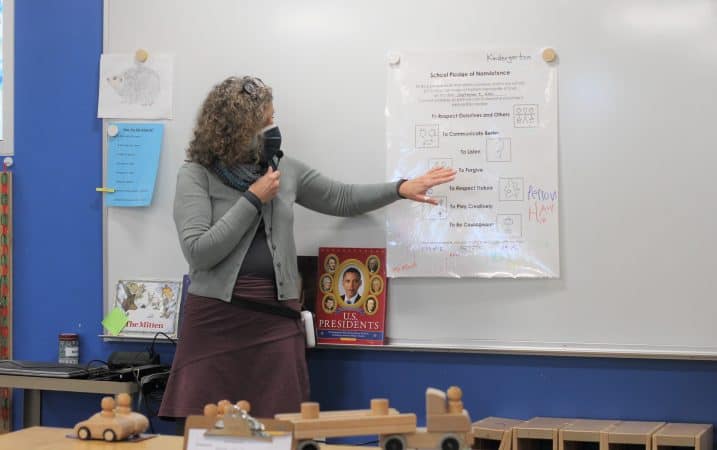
(416, 188)
(266, 187)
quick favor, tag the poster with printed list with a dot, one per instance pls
(492, 115)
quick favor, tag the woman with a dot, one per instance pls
(233, 208)
(326, 283)
(376, 285)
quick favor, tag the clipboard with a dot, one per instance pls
(280, 429)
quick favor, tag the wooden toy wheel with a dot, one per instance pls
(393, 442)
(109, 435)
(450, 443)
(307, 445)
(84, 433)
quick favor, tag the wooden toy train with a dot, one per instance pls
(448, 425)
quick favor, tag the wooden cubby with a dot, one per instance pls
(683, 436)
(494, 433)
(584, 434)
(538, 433)
(630, 435)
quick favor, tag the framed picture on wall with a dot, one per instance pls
(150, 306)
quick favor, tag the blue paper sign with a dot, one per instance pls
(132, 163)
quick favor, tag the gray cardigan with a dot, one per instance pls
(216, 223)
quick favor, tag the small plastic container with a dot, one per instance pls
(69, 351)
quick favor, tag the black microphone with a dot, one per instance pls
(275, 160)
(272, 147)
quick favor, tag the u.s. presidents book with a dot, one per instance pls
(351, 296)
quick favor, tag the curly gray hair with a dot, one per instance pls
(228, 122)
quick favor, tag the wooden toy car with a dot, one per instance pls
(124, 409)
(113, 424)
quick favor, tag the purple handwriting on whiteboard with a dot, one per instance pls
(542, 204)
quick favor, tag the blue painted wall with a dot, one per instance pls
(58, 271)
(57, 213)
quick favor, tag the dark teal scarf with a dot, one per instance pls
(240, 177)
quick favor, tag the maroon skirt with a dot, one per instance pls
(227, 351)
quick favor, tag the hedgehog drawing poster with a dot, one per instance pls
(133, 89)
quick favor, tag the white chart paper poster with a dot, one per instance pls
(493, 116)
(135, 90)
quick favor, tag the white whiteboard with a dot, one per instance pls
(636, 156)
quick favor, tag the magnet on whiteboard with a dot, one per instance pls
(141, 55)
(549, 55)
(394, 59)
(8, 161)
(112, 130)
